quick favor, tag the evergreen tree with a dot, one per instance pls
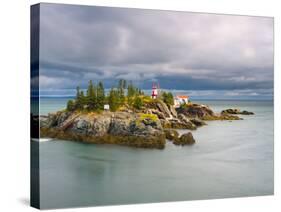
(77, 92)
(121, 91)
(130, 93)
(113, 99)
(70, 105)
(91, 96)
(100, 96)
(78, 103)
(138, 103)
(82, 100)
(167, 97)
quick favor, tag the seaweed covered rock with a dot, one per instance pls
(171, 134)
(178, 124)
(236, 112)
(198, 122)
(195, 111)
(188, 122)
(185, 139)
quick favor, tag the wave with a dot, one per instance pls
(41, 139)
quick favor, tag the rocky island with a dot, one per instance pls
(131, 119)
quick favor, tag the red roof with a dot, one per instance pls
(182, 97)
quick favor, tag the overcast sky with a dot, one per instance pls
(223, 55)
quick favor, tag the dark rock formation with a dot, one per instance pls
(191, 125)
(182, 124)
(195, 111)
(163, 108)
(171, 134)
(198, 122)
(203, 112)
(245, 112)
(173, 111)
(168, 116)
(185, 139)
(236, 112)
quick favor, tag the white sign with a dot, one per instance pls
(106, 107)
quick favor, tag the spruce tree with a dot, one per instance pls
(113, 99)
(91, 96)
(167, 97)
(121, 91)
(138, 103)
(78, 103)
(70, 105)
(82, 100)
(100, 96)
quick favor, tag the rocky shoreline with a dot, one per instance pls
(148, 127)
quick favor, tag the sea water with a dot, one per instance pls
(229, 159)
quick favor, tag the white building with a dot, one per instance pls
(179, 100)
(106, 107)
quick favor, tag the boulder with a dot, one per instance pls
(163, 108)
(244, 112)
(61, 117)
(178, 124)
(80, 125)
(49, 121)
(236, 111)
(230, 111)
(195, 111)
(119, 126)
(171, 134)
(158, 113)
(165, 123)
(173, 111)
(197, 122)
(100, 126)
(187, 121)
(203, 112)
(44, 120)
(185, 139)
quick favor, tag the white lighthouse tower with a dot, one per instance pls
(154, 91)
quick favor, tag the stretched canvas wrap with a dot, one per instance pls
(141, 106)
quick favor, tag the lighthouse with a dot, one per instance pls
(154, 91)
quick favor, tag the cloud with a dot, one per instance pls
(181, 50)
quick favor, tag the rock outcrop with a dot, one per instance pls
(198, 122)
(195, 111)
(185, 139)
(236, 112)
(139, 130)
(146, 128)
(168, 116)
(171, 134)
(203, 112)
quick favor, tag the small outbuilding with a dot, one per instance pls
(180, 100)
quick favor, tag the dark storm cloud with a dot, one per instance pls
(180, 50)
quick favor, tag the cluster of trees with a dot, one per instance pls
(95, 97)
(167, 97)
(123, 94)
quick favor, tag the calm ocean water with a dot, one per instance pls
(229, 159)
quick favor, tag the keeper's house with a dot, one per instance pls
(179, 100)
